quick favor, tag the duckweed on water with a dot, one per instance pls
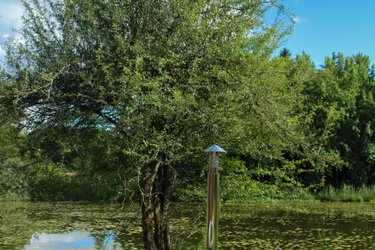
(251, 226)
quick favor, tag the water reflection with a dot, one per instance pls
(69, 226)
(73, 240)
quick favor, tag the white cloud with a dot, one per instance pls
(300, 20)
(19, 39)
(10, 19)
(10, 14)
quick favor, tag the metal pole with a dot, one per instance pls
(213, 202)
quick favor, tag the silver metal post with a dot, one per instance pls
(213, 202)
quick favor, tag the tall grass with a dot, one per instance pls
(347, 194)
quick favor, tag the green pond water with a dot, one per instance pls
(42, 226)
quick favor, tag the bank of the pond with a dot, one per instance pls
(242, 191)
(235, 191)
(53, 184)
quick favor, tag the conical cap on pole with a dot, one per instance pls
(215, 148)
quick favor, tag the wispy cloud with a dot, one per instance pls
(10, 19)
(10, 14)
(19, 39)
(300, 20)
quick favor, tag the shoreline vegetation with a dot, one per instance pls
(53, 184)
(347, 194)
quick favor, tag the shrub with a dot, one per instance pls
(13, 180)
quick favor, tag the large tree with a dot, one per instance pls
(167, 77)
(346, 89)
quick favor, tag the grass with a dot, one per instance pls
(347, 194)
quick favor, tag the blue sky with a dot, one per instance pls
(10, 18)
(322, 26)
(326, 26)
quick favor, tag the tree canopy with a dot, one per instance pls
(167, 77)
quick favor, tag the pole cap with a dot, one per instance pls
(215, 148)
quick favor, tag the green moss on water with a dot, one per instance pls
(254, 225)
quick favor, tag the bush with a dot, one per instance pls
(13, 180)
(236, 185)
(51, 182)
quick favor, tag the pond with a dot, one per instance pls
(65, 225)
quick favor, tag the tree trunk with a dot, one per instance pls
(148, 205)
(168, 183)
(164, 183)
(155, 205)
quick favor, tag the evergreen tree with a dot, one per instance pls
(285, 53)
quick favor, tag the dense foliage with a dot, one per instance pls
(106, 100)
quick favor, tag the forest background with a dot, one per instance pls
(117, 100)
